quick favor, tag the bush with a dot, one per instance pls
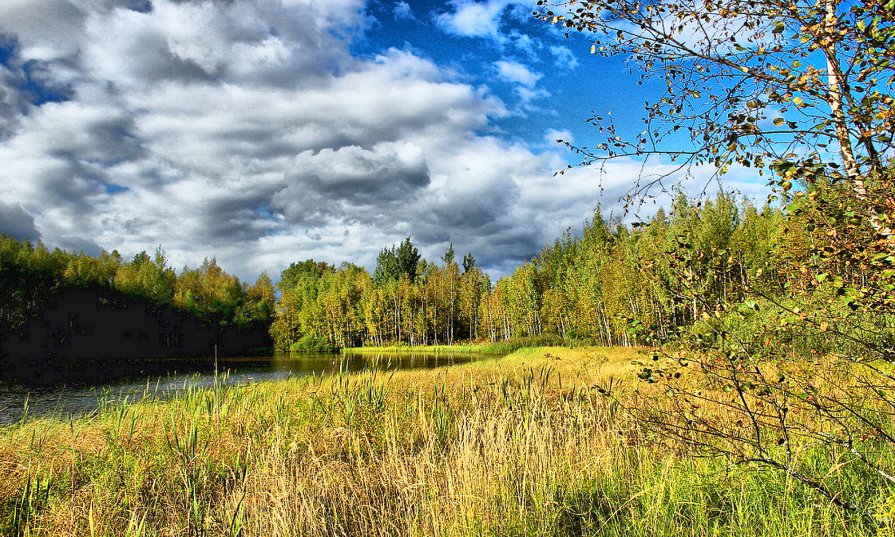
(309, 343)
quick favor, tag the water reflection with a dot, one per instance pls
(89, 388)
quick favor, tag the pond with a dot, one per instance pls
(91, 387)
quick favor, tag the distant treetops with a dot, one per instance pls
(590, 288)
(206, 292)
(407, 299)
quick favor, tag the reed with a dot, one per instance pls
(498, 347)
(522, 445)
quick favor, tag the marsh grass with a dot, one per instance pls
(524, 445)
(499, 347)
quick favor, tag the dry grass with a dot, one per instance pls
(523, 445)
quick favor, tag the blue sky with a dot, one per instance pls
(548, 81)
(264, 132)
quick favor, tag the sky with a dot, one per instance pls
(264, 132)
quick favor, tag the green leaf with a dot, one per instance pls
(779, 121)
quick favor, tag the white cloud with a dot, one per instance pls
(247, 131)
(526, 94)
(523, 79)
(553, 135)
(402, 11)
(470, 18)
(564, 57)
(517, 73)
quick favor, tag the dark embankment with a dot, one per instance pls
(80, 335)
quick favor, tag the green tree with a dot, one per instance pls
(452, 275)
(408, 258)
(393, 262)
(299, 313)
(468, 262)
(259, 303)
(147, 277)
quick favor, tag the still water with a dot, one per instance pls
(85, 395)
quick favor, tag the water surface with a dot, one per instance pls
(94, 385)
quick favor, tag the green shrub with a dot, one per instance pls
(309, 343)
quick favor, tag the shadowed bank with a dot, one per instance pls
(81, 335)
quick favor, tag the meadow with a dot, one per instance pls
(519, 445)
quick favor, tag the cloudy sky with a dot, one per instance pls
(264, 132)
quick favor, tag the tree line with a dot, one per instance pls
(31, 274)
(608, 285)
(611, 282)
(407, 300)
(590, 288)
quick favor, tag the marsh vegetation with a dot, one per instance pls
(522, 445)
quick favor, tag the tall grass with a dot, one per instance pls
(499, 347)
(523, 445)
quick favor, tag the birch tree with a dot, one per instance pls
(799, 88)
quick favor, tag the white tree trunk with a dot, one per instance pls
(840, 122)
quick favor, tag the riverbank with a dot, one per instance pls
(500, 347)
(481, 348)
(522, 445)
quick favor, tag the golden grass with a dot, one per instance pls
(523, 445)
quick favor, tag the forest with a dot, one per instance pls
(70, 317)
(590, 287)
(608, 284)
(31, 274)
(611, 284)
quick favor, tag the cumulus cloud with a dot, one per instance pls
(470, 18)
(517, 73)
(524, 81)
(17, 223)
(224, 128)
(352, 184)
(490, 20)
(248, 131)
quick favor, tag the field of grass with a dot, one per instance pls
(523, 445)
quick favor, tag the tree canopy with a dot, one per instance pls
(394, 262)
(31, 273)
